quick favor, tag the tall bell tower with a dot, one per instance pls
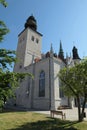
(29, 44)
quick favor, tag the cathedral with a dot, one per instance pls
(44, 91)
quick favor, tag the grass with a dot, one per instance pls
(35, 121)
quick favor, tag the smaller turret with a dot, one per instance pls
(75, 53)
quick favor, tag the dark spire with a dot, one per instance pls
(75, 53)
(60, 55)
(31, 23)
(51, 49)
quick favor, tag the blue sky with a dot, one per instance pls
(64, 20)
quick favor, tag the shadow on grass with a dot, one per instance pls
(12, 110)
(50, 124)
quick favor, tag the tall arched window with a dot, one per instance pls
(42, 84)
(61, 90)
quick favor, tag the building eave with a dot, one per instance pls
(30, 29)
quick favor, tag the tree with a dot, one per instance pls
(3, 29)
(8, 80)
(74, 81)
(3, 2)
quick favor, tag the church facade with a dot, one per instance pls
(42, 92)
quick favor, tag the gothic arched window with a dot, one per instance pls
(61, 90)
(42, 84)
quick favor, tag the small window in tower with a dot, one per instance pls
(37, 41)
(23, 39)
(32, 38)
(20, 66)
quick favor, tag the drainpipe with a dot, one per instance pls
(51, 83)
(49, 86)
(33, 84)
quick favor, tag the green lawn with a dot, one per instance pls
(35, 121)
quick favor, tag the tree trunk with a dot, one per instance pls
(79, 109)
(83, 108)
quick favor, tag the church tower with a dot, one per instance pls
(29, 44)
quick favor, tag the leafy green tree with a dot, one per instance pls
(3, 2)
(8, 80)
(8, 83)
(74, 84)
(3, 29)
